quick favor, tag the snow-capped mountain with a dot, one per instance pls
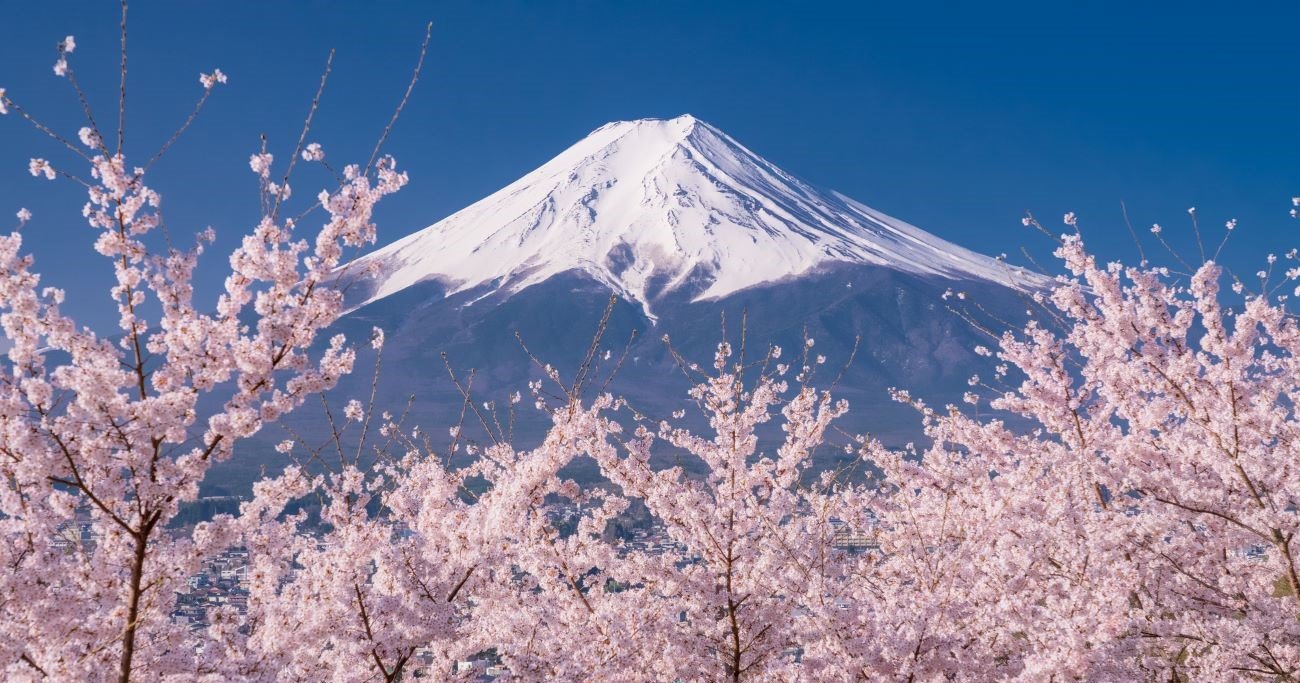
(656, 206)
(693, 233)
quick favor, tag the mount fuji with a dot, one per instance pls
(692, 233)
(656, 206)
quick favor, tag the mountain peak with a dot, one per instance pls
(678, 126)
(651, 206)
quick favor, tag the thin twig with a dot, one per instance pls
(370, 406)
(13, 106)
(121, 97)
(1141, 254)
(415, 76)
(85, 106)
(618, 365)
(194, 114)
(302, 136)
(1196, 230)
(585, 368)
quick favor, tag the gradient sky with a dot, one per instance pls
(956, 118)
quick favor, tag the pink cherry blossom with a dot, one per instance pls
(208, 81)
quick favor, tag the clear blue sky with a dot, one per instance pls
(954, 117)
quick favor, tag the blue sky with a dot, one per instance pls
(955, 117)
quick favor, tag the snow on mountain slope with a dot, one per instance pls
(656, 205)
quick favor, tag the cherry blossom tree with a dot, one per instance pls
(726, 594)
(103, 437)
(1129, 511)
(384, 585)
